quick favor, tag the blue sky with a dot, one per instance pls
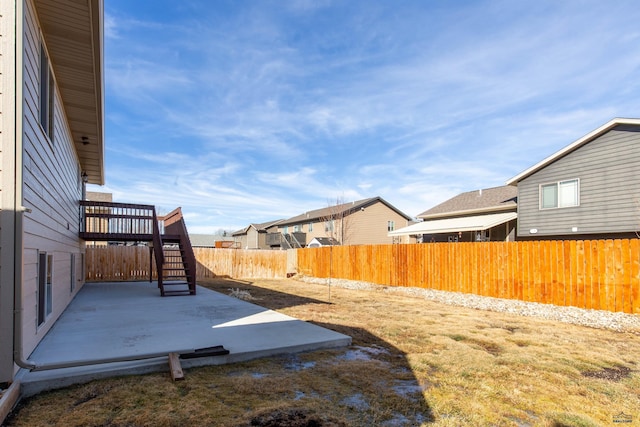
(248, 111)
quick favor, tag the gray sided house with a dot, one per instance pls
(475, 216)
(362, 222)
(254, 236)
(51, 143)
(590, 189)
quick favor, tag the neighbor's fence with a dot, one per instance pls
(116, 263)
(240, 263)
(598, 274)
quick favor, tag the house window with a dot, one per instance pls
(296, 228)
(310, 227)
(328, 226)
(562, 194)
(391, 225)
(73, 272)
(45, 285)
(285, 229)
(47, 87)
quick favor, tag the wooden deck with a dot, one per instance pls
(124, 222)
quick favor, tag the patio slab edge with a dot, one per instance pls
(33, 383)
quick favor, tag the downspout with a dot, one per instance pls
(18, 209)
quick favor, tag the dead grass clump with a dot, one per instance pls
(241, 294)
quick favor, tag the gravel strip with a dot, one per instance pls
(620, 322)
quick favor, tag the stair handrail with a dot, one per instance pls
(284, 238)
(174, 224)
(293, 236)
(157, 247)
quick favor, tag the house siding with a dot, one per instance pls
(370, 225)
(608, 168)
(363, 227)
(7, 166)
(52, 188)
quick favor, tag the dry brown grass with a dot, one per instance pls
(412, 362)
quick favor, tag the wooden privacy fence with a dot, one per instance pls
(597, 274)
(241, 264)
(594, 274)
(116, 263)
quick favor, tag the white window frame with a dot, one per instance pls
(72, 273)
(45, 287)
(310, 227)
(391, 225)
(560, 202)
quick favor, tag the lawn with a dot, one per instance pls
(412, 362)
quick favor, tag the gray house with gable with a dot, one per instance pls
(588, 190)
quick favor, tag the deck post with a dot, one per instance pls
(151, 263)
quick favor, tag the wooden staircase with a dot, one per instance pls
(175, 262)
(177, 266)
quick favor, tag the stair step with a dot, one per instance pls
(177, 293)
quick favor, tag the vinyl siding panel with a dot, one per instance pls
(608, 169)
(51, 189)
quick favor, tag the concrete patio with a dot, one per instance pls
(130, 319)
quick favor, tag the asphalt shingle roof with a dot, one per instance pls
(500, 198)
(319, 214)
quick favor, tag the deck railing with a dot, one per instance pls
(117, 221)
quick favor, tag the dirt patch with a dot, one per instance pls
(292, 418)
(611, 374)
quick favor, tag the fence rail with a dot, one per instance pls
(594, 274)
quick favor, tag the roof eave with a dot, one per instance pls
(79, 73)
(573, 146)
(511, 206)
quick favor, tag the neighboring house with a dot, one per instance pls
(590, 189)
(98, 224)
(51, 139)
(362, 222)
(475, 216)
(204, 240)
(254, 236)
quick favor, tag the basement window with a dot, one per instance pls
(45, 286)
